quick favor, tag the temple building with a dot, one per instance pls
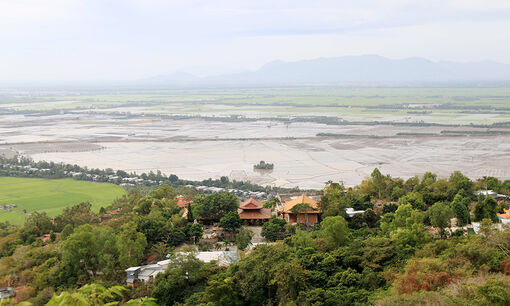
(252, 211)
(301, 209)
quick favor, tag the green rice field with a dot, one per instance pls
(51, 196)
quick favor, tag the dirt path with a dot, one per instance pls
(257, 237)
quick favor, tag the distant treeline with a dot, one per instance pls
(443, 133)
(329, 120)
(20, 166)
(444, 106)
(339, 135)
(476, 133)
(416, 134)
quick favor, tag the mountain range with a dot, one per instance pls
(351, 70)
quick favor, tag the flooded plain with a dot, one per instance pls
(199, 149)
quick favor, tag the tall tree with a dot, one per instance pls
(333, 200)
(404, 217)
(273, 229)
(457, 182)
(230, 222)
(184, 276)
(88, 251)
(440, 215)
(486, 209)
(413, 198)
(335, 231)
(213, 207)
(196, 230)
(370, 217)
(131, 245)
(243, 238)
(481, 211)
(76, 215)
(270, 275)
(163, 192)
(37, 224)
(460, 207)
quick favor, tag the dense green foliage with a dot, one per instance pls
(215, 206)
(243, 238)
(231, 221)
(402, 250)
(273, 229)
(183, 278)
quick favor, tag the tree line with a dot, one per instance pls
(21, 166)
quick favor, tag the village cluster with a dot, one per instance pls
(293, 208)
(22, 167)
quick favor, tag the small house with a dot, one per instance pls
(148, 272)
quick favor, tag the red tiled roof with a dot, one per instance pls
(182, 202)
(251, 204)
(263, 213)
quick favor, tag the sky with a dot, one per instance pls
(50, 40)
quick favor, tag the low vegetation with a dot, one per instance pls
(51, 196)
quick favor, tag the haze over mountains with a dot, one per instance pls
(352, 70)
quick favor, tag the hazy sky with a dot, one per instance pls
(130, 39)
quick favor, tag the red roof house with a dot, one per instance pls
(252, 211)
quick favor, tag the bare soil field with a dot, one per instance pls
(303, 163)
(200, 149)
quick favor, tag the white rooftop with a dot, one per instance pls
(351, 212)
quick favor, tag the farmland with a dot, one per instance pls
(436, 105)
(51, 196)
(311, 134)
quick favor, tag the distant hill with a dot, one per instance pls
(176, 78)
(351, 70)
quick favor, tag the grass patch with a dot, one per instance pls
(51, 196)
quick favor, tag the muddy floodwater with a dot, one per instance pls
(198, 149)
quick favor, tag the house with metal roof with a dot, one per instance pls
(147, 272)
